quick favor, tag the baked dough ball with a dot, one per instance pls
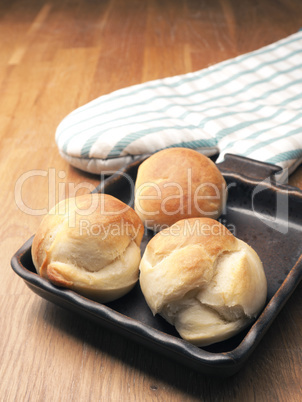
(90, 244)
(203, 280)
(178, 183)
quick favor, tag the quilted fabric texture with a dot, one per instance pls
(250, 105)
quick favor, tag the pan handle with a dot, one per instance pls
(250, 168)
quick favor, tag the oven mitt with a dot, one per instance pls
(250, 105)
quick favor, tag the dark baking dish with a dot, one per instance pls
(265, 215)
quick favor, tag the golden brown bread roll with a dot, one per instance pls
(203, 280)
(178, 183)
(90, 244)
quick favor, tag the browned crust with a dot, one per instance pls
(175, 176)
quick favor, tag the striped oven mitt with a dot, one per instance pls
(250, 105)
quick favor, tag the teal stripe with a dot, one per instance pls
(226, 131)
(292, 99)
(91, 140)
(195, 144)
(121, 145)
(201, 74)
(272, 91)
(125, 141)
(230, 144)
(262, 144)
(89, 143)
(244, 124)
(285, 156)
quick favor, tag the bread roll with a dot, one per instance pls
(178, 183)
(203, 280)
(90, 244)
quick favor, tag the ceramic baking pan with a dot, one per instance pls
(265, 215)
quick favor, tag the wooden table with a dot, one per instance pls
(55, 56)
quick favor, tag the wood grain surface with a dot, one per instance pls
(55, 56)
